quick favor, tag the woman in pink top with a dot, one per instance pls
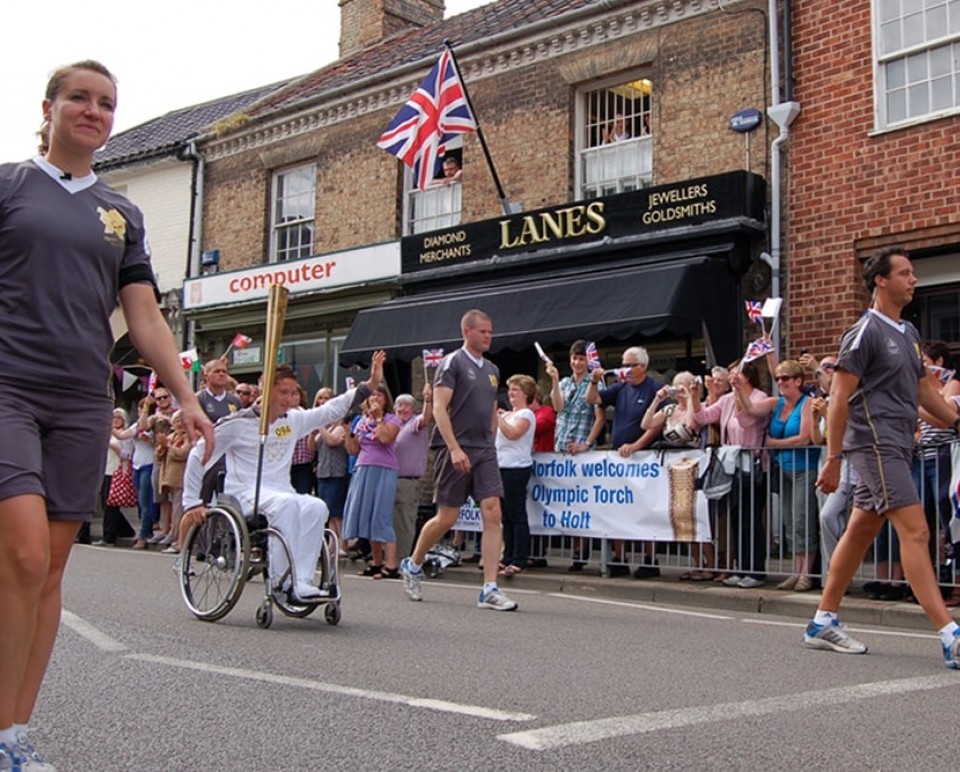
(748, 496)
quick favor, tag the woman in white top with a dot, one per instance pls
(515, 430)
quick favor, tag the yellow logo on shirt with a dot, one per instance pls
(493, 380)
(283, 431)
(114, 226)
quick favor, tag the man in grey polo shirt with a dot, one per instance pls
(879, 381)
(464, 407)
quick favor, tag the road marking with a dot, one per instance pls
(476, 711)
(681, 612)
(83, 628)
(580, 732)
(870, 630)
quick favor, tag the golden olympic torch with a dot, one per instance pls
(276, 313)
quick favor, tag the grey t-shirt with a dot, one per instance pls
(63, 259)
(885, 356)
(474, 396)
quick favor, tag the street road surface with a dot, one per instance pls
(565, 683)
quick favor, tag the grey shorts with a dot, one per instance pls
(54, 444)
(885, 479)
(451, 487)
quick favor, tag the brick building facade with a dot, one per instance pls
(546, 80)
(873, 163)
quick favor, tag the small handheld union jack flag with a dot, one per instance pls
(757, 349)
(593, 357)
(755, 311)
(435, 113)
(432, 357)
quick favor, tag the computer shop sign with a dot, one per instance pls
(311, 274)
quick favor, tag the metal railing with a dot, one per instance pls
(774, 522)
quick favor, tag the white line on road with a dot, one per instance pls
(476, 711)
(681, 612)
(580, 732)
(870, 630)
(83, 628)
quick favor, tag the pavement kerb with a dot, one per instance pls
(668, 590)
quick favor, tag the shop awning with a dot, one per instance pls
(681, 297)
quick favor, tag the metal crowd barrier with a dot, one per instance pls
(771, 517)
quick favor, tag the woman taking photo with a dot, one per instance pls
(70, 248)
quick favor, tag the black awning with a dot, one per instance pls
(679, 297)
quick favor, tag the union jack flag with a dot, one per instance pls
(622, 373)
(436, 113)
(432, 357)
(755, 311)
(593, 357)
(757, 349)
(152, 382)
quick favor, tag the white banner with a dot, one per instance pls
(337, 269)
(649, 496)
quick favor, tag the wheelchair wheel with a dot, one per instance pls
(331, 612)
(214, 563)
(264, 615)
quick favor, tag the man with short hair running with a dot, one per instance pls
(464, 408)
(878, 383)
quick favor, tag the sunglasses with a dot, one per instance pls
(781, 378)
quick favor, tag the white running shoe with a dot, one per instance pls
(306, 591)
(833, 637)
(496, 600)
(29, 757)
(411, 579)
(951, 652)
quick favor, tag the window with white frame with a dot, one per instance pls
(439, 205)
(917, 45)
(292, 220)
(614, 138)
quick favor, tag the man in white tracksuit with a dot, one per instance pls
(299, 517)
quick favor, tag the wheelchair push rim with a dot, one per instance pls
(214, 563)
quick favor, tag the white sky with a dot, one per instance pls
(165, 55)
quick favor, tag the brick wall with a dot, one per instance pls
(527, 114)
(850, 192)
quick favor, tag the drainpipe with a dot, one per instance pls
(782, 114)
(192, 268)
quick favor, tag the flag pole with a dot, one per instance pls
(504, 204)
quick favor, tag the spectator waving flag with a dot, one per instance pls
(755, 311)
(758, 348)
(593, 357)
(437, 112)
(432, 357)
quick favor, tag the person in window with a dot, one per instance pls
(615, 131)
(452, 172)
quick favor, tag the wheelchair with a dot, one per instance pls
(219, 557)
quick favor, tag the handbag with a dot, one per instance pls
(122, 493)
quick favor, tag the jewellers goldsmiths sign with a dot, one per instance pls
(688, 203)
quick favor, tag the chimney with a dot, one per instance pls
(364, 23)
